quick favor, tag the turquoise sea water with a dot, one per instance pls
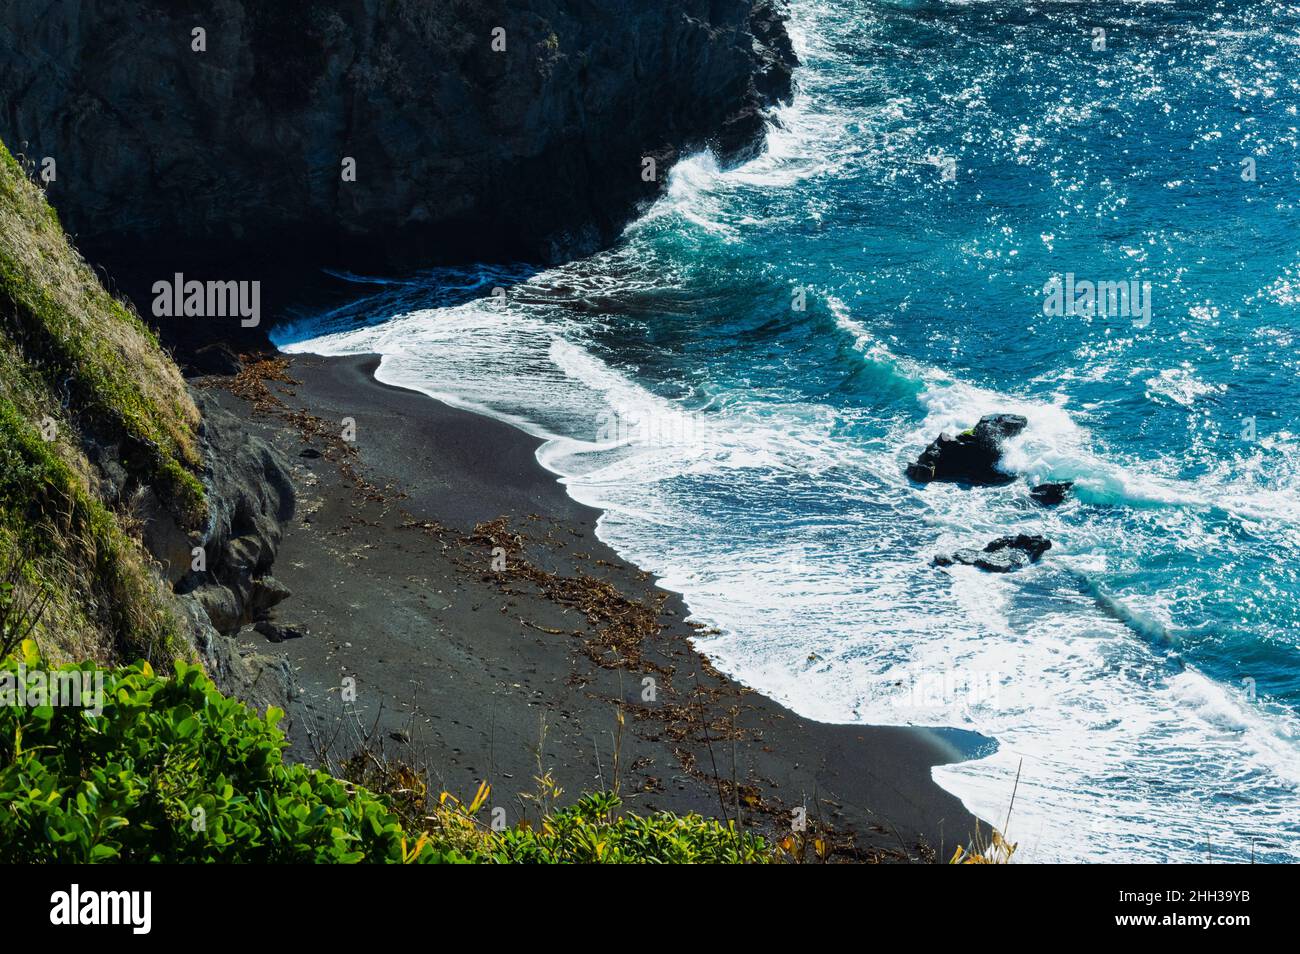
(941, 164)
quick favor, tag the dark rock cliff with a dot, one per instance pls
(461, 151)
(250, 497)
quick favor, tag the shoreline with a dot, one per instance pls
(384, 554)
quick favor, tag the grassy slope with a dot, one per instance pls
(74, 357)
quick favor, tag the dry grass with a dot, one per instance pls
(77, 367)
(99, 362)
(993, 849)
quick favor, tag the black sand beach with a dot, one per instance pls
(480, 674)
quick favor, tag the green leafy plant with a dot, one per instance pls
(590, 832)
(173, 771)
(170, 770)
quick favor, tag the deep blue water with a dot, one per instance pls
(940, 165)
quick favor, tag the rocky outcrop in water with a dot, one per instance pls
(1002, 555)
(477, 129)
(972, 456)
(1052, 494)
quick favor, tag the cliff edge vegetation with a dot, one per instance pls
(98, 437)
(167, 769)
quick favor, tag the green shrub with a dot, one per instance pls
(589, 832)
(170, 770)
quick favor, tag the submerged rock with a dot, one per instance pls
(972, 456)
(1030, 543)
(1001, 555)
(1049, 495)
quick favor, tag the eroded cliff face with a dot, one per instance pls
(113, 488)
(462, 150)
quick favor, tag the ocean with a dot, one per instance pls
(739, 383)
